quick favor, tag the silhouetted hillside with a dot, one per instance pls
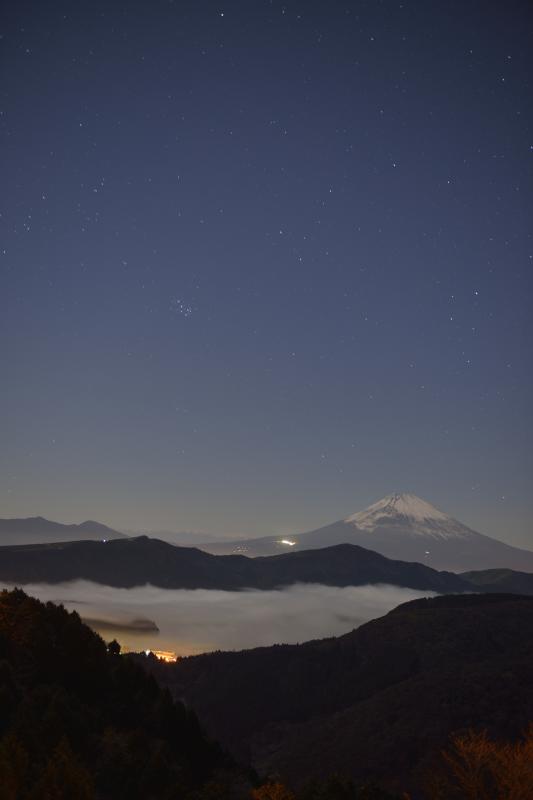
(135, 562)
(38, 530)
(378, 703)
(500, 580)
(80, 722)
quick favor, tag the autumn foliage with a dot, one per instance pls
(478, 768)
(273, 791)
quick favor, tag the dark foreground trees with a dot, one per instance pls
(78, 721)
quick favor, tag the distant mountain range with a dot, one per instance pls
(181, 538)
(137, 561)
(38, 529)
(376, 704)
(35, 530)
(399, 526)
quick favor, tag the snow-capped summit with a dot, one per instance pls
(405, 505)
(407, 510)
(399, 526)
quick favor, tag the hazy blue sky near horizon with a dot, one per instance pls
(265, 262)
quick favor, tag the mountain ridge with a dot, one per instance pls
(37, 530)
(135, 562)
(378, 703)
(399, 526)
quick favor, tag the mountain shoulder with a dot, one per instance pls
(357, 704)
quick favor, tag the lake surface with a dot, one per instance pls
(196, 621)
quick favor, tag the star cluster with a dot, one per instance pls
(307, 223)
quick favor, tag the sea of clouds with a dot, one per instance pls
(196, 621)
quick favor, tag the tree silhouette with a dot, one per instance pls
(113, 648)
(79, 721)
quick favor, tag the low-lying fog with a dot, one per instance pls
(200, 620)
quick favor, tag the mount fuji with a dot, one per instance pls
(399, 526)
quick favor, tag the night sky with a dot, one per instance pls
(265, 262)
